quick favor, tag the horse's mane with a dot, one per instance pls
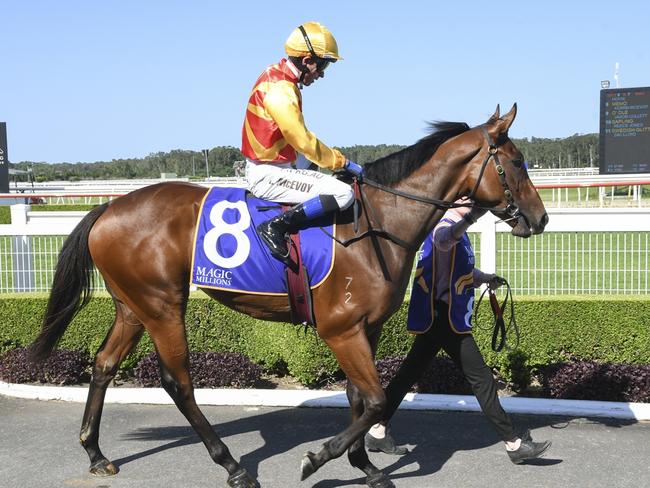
(397, 166)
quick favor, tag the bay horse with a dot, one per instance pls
(142, 245)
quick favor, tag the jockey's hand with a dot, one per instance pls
(495, 281)
(354, 168)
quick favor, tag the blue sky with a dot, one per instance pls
(89, 81)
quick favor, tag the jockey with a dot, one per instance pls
(274, 133)
(440, 308)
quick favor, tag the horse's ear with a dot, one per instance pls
(495, 116)
(506, 121)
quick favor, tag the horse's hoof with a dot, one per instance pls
(241, 479)
(103, 468)
(307, 466)
(379, 480)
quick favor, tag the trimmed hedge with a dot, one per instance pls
(5, 214)
(67, 207)
(603, 329)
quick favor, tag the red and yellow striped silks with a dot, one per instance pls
(274, 128)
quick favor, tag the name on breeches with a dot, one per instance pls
(294, 185)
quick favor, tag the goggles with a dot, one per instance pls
(321, 63)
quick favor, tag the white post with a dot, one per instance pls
(22, 258)
(601, 196)
(19, 214)
(487, 227)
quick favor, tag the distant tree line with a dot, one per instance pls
(183, 163)
(577, 151)
(574, 151)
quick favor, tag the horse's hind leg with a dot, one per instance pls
(121, 339)
(171, 344)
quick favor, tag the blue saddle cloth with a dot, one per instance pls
(229, 255)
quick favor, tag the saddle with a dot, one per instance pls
(229, 255)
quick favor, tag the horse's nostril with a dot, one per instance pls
(544, 220)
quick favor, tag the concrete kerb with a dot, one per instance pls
(334, 399)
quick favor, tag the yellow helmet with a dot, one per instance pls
(321, 39)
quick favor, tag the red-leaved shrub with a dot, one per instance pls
(442, 376)
(588, 380)
(207, 369)
(63, 367)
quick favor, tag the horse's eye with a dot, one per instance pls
(517, 162)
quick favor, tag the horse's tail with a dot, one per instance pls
(71, 287)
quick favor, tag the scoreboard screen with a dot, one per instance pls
(625, 130)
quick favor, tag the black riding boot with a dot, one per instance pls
(274, 231)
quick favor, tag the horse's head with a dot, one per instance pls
(497, 178)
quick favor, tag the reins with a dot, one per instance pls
(361, 196)
(493, 149)
(499, 329)
(441, 204)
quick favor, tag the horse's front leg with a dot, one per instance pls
(357, 454)
(367, 399)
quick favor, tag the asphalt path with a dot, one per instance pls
(153, 446)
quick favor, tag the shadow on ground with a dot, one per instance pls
(433, 437)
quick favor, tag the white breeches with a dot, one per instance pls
(282, 183)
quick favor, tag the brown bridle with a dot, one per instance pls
(511, 207)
